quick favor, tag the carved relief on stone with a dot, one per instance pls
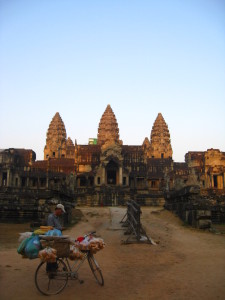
(108, 127)
(111, 150)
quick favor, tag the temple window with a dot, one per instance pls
(82, 181)
(53, 154)
(124, 180)
(91, 181)
(43, 182)
(140, 182)
(99, 180)
(162, 155)
(23, 182)
(34, 181)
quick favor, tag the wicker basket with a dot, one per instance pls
(62, 246)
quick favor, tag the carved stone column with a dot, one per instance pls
(120, 176)
(103, 175)
(223, 180)
(8, 178)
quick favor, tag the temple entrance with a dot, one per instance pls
(215, 181)
(112, 173)
(4, 179)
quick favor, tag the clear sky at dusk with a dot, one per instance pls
(141, 57)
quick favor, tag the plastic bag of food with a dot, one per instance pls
(96, 244)
(46, 228)
(33, 247)
(39, 232)
(48, 255)
(24, 235)
(54, 232)
(22, 246)
(90, 243)
(75, 253)
(80, 246)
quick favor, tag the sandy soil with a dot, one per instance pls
(185, 264)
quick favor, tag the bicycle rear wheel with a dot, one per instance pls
(95, 269)
(51, 282)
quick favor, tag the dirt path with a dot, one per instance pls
(185, 264)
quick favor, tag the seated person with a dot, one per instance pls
(53, 218)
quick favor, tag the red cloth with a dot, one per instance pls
(80, 239)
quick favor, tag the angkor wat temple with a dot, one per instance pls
(106, 172)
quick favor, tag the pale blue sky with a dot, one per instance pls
(141, 57)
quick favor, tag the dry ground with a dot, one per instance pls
(185, 264)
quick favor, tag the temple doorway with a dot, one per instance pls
(215, 181)
(112, 172)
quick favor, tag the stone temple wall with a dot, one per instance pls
(198, 208)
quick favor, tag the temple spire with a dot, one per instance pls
(160, 146)
(108, 129)
(56, 138)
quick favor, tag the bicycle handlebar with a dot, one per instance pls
(90, 233)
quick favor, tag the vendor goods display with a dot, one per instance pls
(96, 244)
(60, 244)
(54, 232)
(48, 255)
(24, 235)
(33, 247)
(43, 230)
(22, 246)
(46, 228)
(90, 243)
(29, 247)
(75, 253)
(55, 246)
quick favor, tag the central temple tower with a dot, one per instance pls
(108, 130)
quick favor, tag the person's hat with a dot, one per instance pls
(61, 207)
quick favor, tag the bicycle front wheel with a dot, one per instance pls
(95, 269)
(51, 281)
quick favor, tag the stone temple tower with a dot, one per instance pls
(108, 130)
(56, 139)
(160, 145)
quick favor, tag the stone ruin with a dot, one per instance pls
(197, 208)
(110, 173)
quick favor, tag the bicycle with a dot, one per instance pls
(54, 281)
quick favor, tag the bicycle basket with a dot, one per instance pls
(62, 246)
